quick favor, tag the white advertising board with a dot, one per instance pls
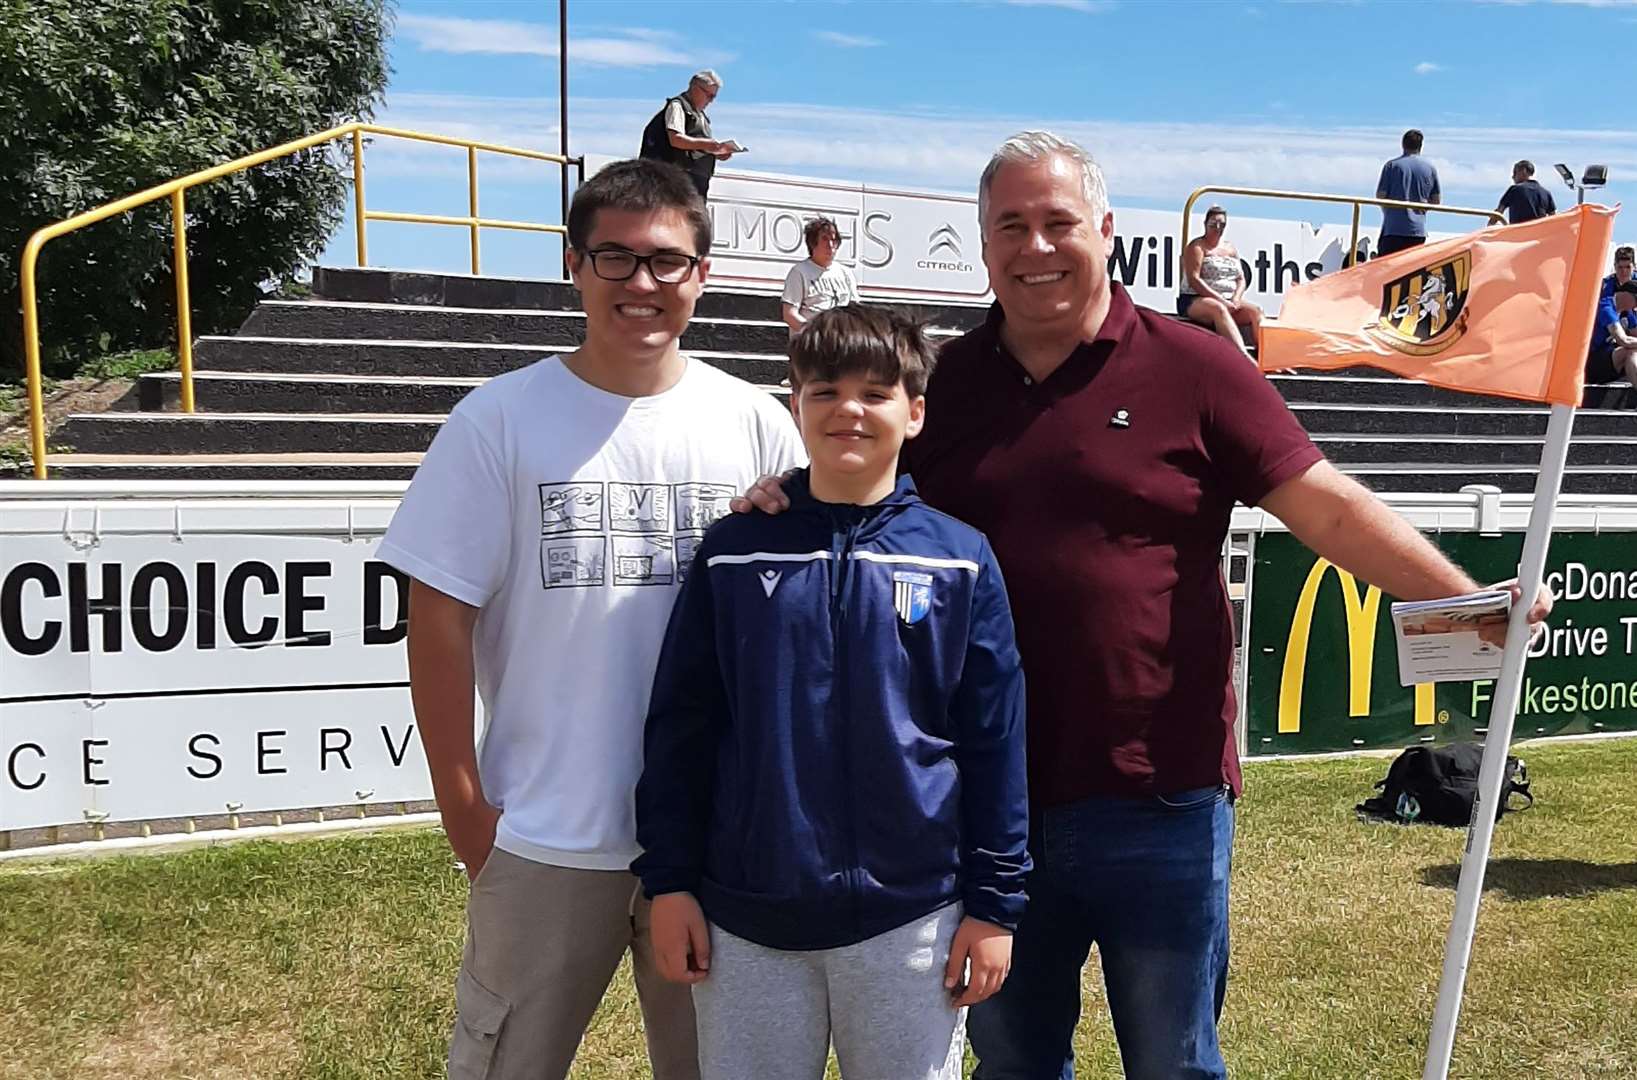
(924, 245)
(187, 658)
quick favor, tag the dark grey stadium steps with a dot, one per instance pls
(1337, 389)
(462, 290)
(1460, 450)
(362, 358)
(548, 330)
(223, 466)
(1412, 421)
(1513, 479)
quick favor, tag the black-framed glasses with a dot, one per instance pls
(666, 267)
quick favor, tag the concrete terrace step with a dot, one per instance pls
(464, 290)
(1422, 476)
(253, 432)
(334, 319)
(1471, 453)
(447, 359)
(311, 466)
(280, 392)
(1387, 390)
(315, 392)
(1410, 421)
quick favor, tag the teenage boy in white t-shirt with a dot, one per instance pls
(817, 283)
(547, 532)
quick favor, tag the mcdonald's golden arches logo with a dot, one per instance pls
(1362, 610)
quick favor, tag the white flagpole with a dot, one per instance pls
(1498, 740)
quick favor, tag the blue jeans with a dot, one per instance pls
(1147, 881)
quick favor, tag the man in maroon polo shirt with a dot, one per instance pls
(1101, 447)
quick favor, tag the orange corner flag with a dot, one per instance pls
(1507, 310)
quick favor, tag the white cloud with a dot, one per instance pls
(635, 47)
(847, 41)
(946, 149)
(1090, 7)
(1427, 67)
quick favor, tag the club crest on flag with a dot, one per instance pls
(911, 595)
(1424, 312)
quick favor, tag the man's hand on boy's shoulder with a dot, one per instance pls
(682, 944)
(989, 949)
(766, 494)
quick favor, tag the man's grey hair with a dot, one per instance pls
(1032, 147)
(708, 77)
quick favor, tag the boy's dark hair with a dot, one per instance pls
(884, 344)
(817, 228)
(1412, 141)
(1624, 251)
(1628, 287)
(641, 185)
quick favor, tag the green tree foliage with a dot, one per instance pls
(103, 98)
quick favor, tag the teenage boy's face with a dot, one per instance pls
(855, 425)
(640, 315)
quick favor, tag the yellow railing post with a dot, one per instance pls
(1352, 245)
(358, 193)
(31, 352)
(471, 198)
(1495, 216)
(176, 191)
(184, 313)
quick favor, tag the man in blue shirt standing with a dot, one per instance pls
(1408, 178)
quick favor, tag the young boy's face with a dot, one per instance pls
(855, 425)
(640, 314)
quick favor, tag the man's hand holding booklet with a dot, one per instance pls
(1453, 639)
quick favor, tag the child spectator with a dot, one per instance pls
(832, 807)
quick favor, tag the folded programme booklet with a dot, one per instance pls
(1454, 639)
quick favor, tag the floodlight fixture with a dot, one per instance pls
(1567, 174)
(1595, 176)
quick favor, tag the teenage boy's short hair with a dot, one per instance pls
(641, 185)
(817, 228)
(884, 344)
(1622, 253)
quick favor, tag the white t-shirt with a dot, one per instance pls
(569, 515)
(810, 288)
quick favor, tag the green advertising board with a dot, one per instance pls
(1322, 665)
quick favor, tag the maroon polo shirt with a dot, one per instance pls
(1106, 492)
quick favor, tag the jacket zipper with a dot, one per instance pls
(839, 703)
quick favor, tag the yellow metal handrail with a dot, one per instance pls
(1357, 201)
(176, 190)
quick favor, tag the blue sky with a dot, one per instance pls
(1168, 96)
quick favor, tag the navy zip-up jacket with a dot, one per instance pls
(835, 742)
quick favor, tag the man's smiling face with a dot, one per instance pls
(1046, 252)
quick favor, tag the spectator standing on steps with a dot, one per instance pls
(680, 133)
(1408, 178)
(1526, 199)
(817, 283)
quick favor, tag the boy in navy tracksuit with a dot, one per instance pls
(834, 758)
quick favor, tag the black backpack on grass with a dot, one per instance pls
(1439, 784)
